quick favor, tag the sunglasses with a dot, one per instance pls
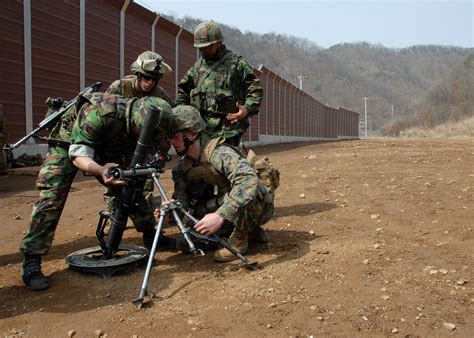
(148, 78)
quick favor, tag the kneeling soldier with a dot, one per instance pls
(218, 185)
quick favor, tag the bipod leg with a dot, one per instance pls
(245, 262)
(172, 208)
(186, 236)
(145, 296)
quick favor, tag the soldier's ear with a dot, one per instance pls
(192, 135)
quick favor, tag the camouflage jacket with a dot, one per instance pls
(128, 88)
(101, 131)
(240, 180)
(232, 80)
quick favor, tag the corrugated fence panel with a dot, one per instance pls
(138, 21)
(299, 113)
(332, 122)
(286, 109)
(293, 111)
(165, 46)
(270, 102)
(321, 119)
(263, 114)
(187, 53)
(55, 52)
(300, 109)
(12, 70)
(102, 35)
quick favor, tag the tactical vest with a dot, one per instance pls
(127, 85)
(128, 89)
(205, 183)
(205, 96)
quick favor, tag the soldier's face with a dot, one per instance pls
(184, 143)
(210, 50)
(177, 141)
(147, 83)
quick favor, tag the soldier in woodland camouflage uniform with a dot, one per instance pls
(217, 184)
(53, 183)
(221, 85)
(147, 69)
(104, 138)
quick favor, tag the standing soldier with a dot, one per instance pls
(53, 183)
(147, 69)
(218, 185)
(221, 85)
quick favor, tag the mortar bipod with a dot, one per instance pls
(171, 206)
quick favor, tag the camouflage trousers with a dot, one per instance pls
(258, 212)
(53, 183)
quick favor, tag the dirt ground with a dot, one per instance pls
(370, 238)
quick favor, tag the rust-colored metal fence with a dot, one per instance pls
(56, 47)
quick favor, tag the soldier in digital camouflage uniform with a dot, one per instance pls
(147, 69)
(53, 183)
(105, 136)
(217, 184)
(221, 85)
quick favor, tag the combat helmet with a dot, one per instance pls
(207, 33)
(187, 118)
(137, 109)
(150, 64)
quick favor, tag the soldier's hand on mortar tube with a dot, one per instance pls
(235, 117)
(209, 224)
(109, 179)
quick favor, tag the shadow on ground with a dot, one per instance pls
(303, 209)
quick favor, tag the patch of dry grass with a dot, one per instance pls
(464, 128)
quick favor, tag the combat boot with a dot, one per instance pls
(32, 275)
(238, 240)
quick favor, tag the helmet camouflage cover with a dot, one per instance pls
(139, 110)
(187, 118)
(207, 33)
(150, 64)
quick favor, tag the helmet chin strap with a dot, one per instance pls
(187, 144)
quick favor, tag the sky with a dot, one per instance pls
(395, 24)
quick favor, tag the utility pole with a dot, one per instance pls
(301, 77)
(365, 123)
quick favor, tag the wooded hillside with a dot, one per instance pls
(426, 85)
